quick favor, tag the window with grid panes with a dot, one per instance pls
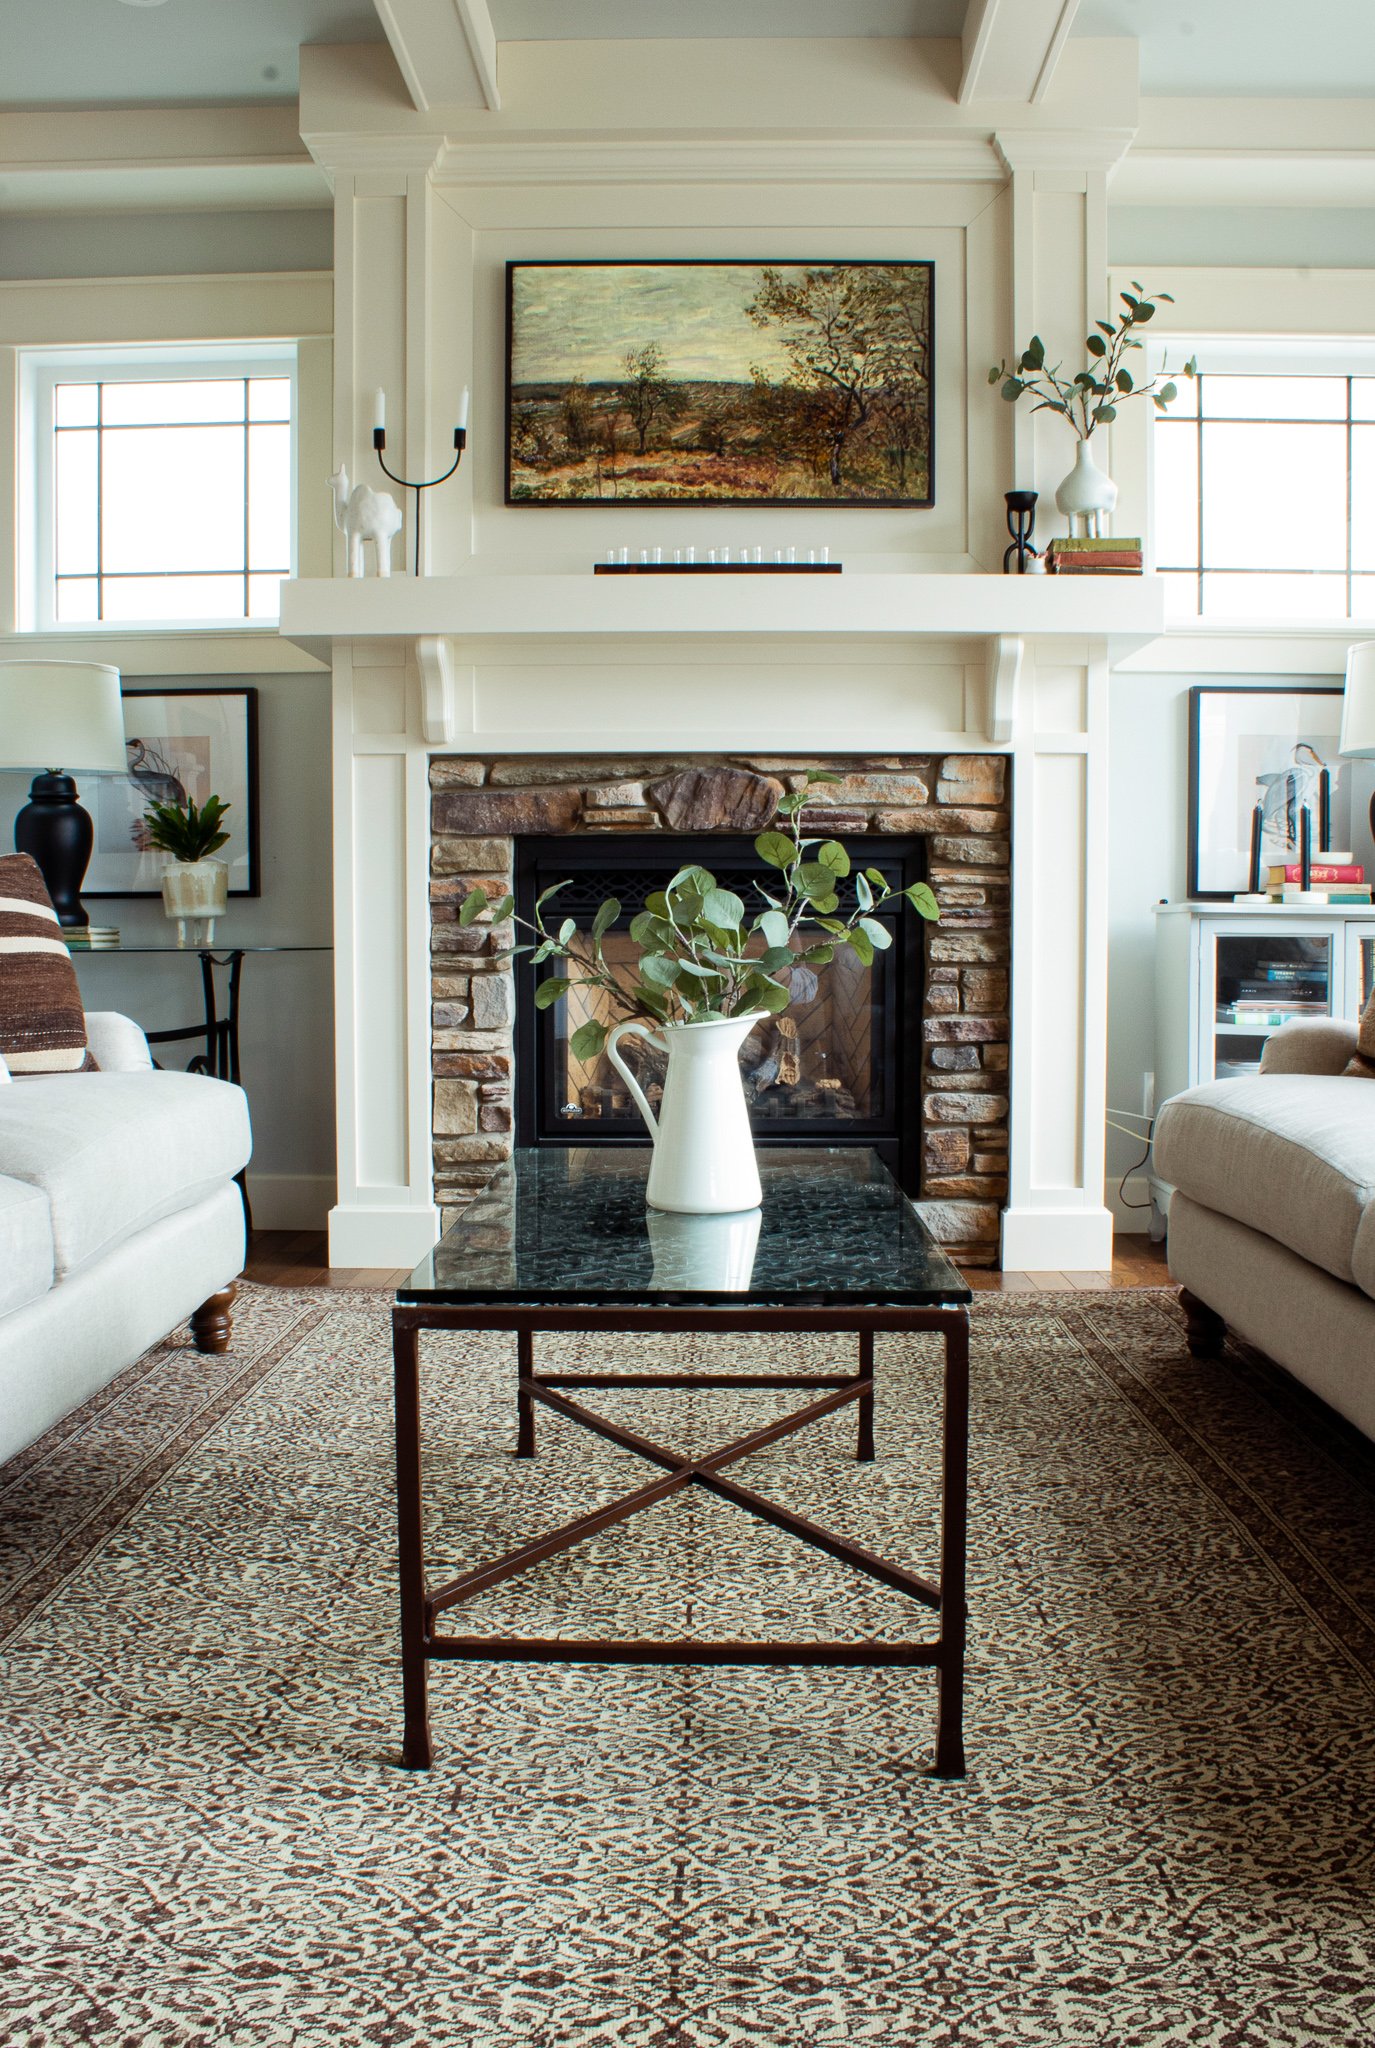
(1264, 494)
(164, 490)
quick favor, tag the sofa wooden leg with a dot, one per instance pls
(212, 1323)
(1206, 1329)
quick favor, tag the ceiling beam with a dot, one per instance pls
(1011, 48)
(446, 50)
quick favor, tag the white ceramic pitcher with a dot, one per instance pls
(704, 1162)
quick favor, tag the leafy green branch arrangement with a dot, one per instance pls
(183, 831)
(702, 955)
(1091, 398)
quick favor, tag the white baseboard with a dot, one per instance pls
(1057, 1240)
(290, 1201)
(370, 1235)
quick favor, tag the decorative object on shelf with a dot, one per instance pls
(379, 442)
(729, 383)
(195, 888)
(1021, 524)
(1357, 739)
(363, 514)
(708, 971)
(1083, 555)
(67, 713)
(1263, 749)
(1090, 399)
(717, 568)
(180, 745)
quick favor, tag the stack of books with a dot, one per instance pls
(1106, 556)
(1275, 991)
(90, 938)
(1333, 878)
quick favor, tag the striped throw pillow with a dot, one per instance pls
(42, 1023)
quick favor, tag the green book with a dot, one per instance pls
(1106, 543)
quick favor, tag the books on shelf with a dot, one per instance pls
(1096, 555)
(1325, 868)
(91, 938)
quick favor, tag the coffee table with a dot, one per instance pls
(562, 1241)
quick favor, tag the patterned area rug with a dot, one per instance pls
(1166, 1835)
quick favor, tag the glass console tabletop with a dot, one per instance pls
(555, 1226)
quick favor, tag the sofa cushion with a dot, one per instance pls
(26, 1245)
(1363, 1254)
(1363, 1059)
(42, 1023)
(114, 1152)
(1292, 1155)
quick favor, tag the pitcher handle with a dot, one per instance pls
(633, 1024)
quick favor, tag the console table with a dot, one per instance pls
(560, 1240)
(219, 1031)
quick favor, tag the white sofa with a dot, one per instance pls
(1272, 1218)
(119, 1218)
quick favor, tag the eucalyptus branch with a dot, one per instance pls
(1091, 397)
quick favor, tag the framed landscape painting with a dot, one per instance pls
(191, 742)
(719, 383)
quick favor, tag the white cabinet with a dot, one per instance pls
(1227, 976)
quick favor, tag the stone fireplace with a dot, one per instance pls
(952, 1052)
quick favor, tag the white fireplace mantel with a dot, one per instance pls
(865, 664)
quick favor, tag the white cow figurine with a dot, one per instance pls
(364, 514)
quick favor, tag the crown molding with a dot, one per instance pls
(360, 153)
(958, 159)
(1068, 149)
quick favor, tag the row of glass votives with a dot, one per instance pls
(620, 557)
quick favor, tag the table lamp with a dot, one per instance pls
(1358, 709)
(67, 711)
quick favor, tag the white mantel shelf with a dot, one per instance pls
(1127, 612)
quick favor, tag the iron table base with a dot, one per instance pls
(422, 1605)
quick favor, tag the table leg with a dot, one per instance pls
(416, 1751)
(864, 1450)
(525, 1406)
(949, 1762)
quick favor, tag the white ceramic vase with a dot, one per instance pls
(195, 893)
(1087, 495)
(704, 1162)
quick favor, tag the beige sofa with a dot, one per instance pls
(1272, 1220)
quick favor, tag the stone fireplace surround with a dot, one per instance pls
(480, 805)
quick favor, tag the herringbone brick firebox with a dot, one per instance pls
(479, 807)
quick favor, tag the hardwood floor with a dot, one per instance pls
(285, 1258)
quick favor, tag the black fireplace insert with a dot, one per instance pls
(842, 1066)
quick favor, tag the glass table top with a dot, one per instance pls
(196, 947)
(555, 1226)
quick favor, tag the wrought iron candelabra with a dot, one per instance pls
(379, 442)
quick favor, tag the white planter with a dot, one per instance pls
(195, 893)
(1088, 494)
(704, 1162)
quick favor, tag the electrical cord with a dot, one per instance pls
(1137, 1164)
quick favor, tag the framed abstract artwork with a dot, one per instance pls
(1278, 748)
(195, 742)
(687, 383)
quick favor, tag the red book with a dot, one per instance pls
(1323, 871)
(1101, 558)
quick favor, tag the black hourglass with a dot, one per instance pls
(1021, 522)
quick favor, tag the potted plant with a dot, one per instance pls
(194, 886)
(709, 969)
(1091, 398)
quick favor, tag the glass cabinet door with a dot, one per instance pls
(1260, 982)
(1360, 968)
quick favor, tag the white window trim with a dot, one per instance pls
(1261, 355)
(40, 371)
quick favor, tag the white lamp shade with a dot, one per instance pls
(61, 714)
(1358, 705)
